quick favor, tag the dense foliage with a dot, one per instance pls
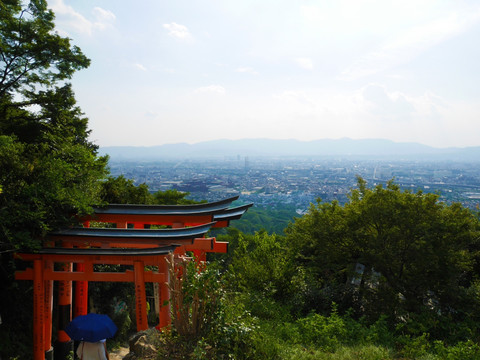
(389, 274)
(49, 170)
(390, 252)
(120, 190)
(205, 325)
(271, 220)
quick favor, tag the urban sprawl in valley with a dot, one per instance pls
(269, 182)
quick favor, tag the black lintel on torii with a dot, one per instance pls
(232, 213)
(192, 209)
(132, 234)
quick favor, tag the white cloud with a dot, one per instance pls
(178, 31)
(410, 43)
(104, 18)
(373, 111)
(305, 63)
(68, 19)
(388, 106)
(140, 67)
(67, 16)
(211, 89)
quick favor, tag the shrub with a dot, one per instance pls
(465, 350)
(324, 332)
(205, 323)
(417, 347)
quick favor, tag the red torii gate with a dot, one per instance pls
(43, 275)
(88, 246)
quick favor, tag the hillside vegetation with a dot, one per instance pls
(391, 274)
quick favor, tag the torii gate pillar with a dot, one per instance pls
(64, 344)
(140, 297)
(48, 310)
(38, 311)
(81, 289)
(164, 314)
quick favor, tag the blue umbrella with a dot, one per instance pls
(91, 328)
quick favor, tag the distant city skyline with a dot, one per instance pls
(166, 72)
(299, 182)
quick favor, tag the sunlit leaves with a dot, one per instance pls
(31, 53)
(415, 250)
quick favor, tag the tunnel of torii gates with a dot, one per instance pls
(139, 246)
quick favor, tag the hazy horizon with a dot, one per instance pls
(188, 72)
(267, 148)
(288, 139)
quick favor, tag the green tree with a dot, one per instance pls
(417, 254)
(262, 269)
(120, 190)
(32, 54)
(172, 197)
(49, 170)
(272, 220)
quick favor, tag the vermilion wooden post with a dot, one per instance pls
(38, 311)
(81, 293)
(81, 289)
(48, 309)
(140, 296)
(64, 345)
(164, 316)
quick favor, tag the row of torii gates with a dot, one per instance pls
(75, 251)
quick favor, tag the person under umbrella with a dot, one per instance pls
(91, 330)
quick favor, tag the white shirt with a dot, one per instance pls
(92, 351)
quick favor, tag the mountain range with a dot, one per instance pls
(324, 148)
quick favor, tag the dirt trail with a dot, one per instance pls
(119, 353)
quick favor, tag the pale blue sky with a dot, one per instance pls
(170, 71)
